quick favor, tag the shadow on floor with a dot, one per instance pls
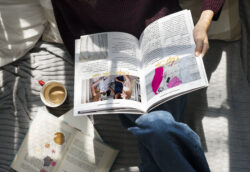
(220, 114)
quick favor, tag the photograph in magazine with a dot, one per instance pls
(94, 47)
(111, 87)
(174, 72)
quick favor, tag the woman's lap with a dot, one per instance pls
(163, 143)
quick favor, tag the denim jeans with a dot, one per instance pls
(165, 144)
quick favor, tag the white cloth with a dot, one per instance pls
(21, 26)
(51, 32)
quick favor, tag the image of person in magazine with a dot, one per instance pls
(171, 75)
(118, 86)
(123, 87)
(101, 88)
(111, 87)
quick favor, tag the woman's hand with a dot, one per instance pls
(200, 32)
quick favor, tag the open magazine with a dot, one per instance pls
(117, 73)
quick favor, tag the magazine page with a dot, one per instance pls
(107, 73)
(44, 145)
(87, 154)
(169, 64)
(82, 123)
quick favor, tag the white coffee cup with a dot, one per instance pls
(53, 94)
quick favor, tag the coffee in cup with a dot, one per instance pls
(53, 94)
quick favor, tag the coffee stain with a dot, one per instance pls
(59, 138)
(47, 145)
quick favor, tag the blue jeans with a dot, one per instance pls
(164, 144)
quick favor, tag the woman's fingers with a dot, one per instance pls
(199, 47)
(200, 32)
(202, 45)
(205, 47)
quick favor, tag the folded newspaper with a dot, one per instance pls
(63, 144)
(117, 73)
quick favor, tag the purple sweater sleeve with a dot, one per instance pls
(214, 5)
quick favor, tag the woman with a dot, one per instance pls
(127, 87)
(76, 18)
(95, 90)
(171, 146)
(118, 86)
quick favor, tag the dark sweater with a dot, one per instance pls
(79, 17)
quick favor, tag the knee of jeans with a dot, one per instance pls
(155, 120)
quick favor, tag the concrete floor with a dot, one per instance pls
(220, 114)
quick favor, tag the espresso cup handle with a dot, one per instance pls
(41, 82)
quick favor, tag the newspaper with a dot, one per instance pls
(51, 145)
(117, 73)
